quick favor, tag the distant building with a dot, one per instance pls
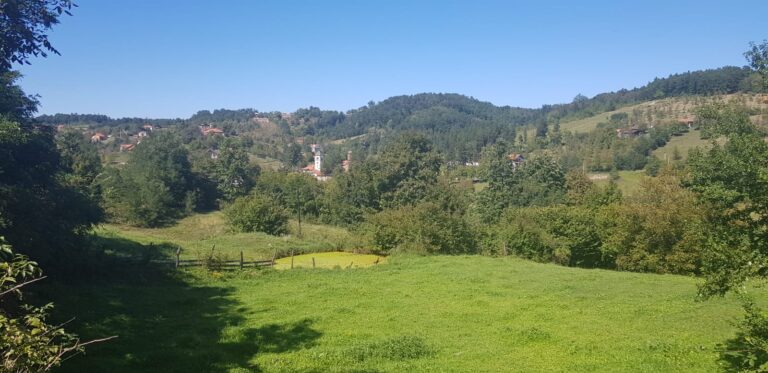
(127, 147)
(346, 163)
(148, 127)
(626, 133)
(516, 159)
(142, 134)
(687, 120)
(316, 168)
(207, 130)
(98, 137)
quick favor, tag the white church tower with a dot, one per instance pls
(319, 161)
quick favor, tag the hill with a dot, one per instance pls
(451, 313)
(458, 125)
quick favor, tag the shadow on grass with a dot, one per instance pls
(738, 355)
(166, 322)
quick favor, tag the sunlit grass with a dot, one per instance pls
(418, 314)
(199, 233)
(330, 260)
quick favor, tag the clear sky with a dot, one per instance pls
(171, 58)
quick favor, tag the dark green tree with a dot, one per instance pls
(234, 173)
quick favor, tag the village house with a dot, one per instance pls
(208, 130)
(687, 120)
(626, 133)
(127, 147)
(148, 127)
(98, 137)
(142, 134)
(516, 159)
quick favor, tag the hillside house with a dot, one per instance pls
(148, 127)
(687, 120)
(516, 159)
(142, 134)
(210, 131)
(626, 133)
(98, 137)
(127, 147)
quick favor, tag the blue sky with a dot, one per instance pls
(171, 58)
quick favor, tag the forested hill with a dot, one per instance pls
(458, 125)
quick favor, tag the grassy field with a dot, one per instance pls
(418, 314)
(683, 143)
(629, 181)
(198, 233)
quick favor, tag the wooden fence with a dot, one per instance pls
(228, 264)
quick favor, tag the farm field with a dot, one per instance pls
(629, 182)
(198, 233)
(439, 314)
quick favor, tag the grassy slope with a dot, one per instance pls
(684, 143)
(671, 108)
(629, 181)
(200, 232)
(475, 314)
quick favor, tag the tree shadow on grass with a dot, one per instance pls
(166, 322)
(738, 356)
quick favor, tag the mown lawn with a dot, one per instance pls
(420, 314)
(199, 233)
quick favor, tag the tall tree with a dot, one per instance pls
(24, 24)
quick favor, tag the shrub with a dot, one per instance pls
(562, 234)
(257, 213)
(425, 228)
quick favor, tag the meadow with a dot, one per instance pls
(438, 314)
(197, 235)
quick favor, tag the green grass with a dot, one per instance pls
(417, 314)
(629, 182)
(198, 233)
(333, 259)
(684, 143)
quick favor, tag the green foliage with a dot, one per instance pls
(659, 229)
(28, 343)
(300, 193)
(566, 235)
(40, 212)
(424, 228)
(154, 187)
(24, 25)
(257, 213)
(80, 160)
(539, 181)
(748, 351)
(234, 173)
(757, 55)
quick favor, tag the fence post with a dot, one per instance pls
(274, 257)
(178, 253)
(241, 259)
(504, 248)
(313, 262)
(291, 258)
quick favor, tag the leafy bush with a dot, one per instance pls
(565, 235)
(748, 352)
(27, 342)
(425, 228)
(257, 213)
(660, 229)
